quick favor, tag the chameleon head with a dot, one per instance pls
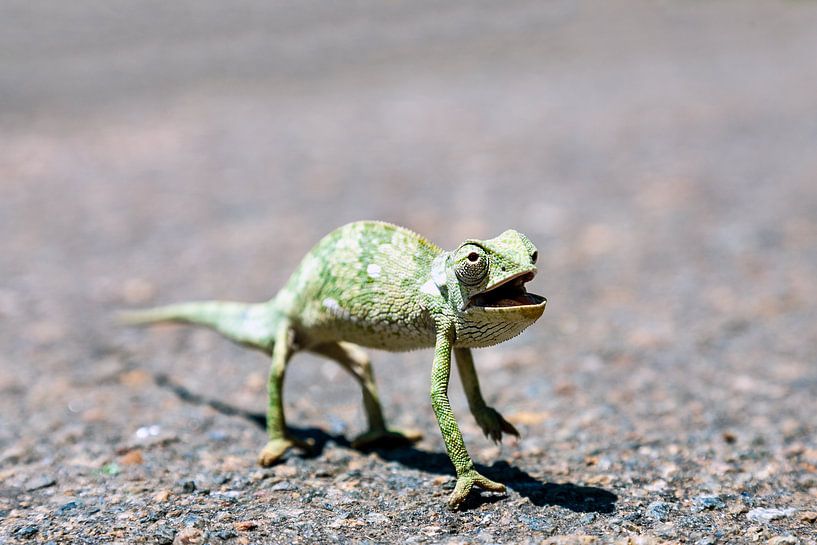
(486, 288)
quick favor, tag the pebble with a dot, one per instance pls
(587, 518)
(189, 536)
(69, 506)
(659, 510)
(708, 502)
(161, 495)
(783, 540)
(377, 518)
(164, 535)
(537, 524)
(766, 515)
(39, 482)
(26, 531)
(571, 540)
(131, 458)
(809, 516)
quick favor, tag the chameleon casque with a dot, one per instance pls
(377, 285)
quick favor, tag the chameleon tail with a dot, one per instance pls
(248, 324)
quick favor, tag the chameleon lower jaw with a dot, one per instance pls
(513, 313)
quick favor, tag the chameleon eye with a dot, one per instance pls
(534, 256)
(472, 270)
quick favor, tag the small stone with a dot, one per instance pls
(537, 524)
(431, 530)
(285, 471)
(41, 481)
(809, 516)
(161, 495)
(146, 432)
(571, 540)
(282, 486)
(783, 540)
(134, 457)
(164, 535)
(637, 540)
(245, 525)
(136, 378)
(667, 531)
(656, 486)
(587, 518)
(189, 486)
(189, 536)
(765, 515)
(224, 535)
(600, 480)
(69, 506)
(708, 502)
(377, 518)
(659, 510)
(26, 531)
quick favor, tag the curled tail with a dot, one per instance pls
(248, 324)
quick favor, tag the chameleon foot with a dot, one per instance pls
(466, 482)
(276, 448)
(387, 439)
(493, 424)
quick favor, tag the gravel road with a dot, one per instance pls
(660, 154)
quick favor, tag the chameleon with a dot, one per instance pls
(377, 285)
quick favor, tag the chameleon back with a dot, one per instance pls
(351, 284)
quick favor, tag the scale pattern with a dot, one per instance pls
(361, 283)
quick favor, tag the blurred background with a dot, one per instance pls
(660, 154)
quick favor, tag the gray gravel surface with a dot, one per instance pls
(660, 154)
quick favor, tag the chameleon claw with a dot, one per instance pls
(466, 483)
(275, 449)
(494, 425)
(387, 439)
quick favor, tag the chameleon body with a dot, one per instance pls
(377, 285)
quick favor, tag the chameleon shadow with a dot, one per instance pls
(579, 499)
(317, 437)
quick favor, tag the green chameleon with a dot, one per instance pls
(374, 284)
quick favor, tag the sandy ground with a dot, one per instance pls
(660, 154)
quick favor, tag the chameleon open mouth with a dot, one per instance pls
(510, 293)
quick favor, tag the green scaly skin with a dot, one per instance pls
(378, 285)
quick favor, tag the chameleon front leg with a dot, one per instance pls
(467, 476)
(352, 358)
(491, 422)
(279, 440)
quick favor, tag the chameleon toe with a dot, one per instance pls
(275, 449)
(466, 483)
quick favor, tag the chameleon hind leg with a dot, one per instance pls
(279, 441)
(352, 358)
